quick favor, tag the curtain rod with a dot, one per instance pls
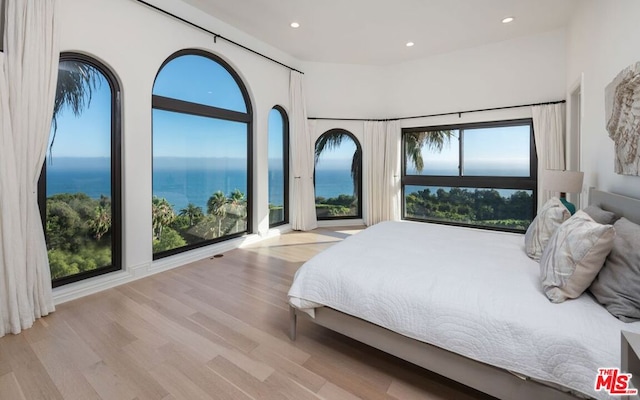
(216, 36)
(439, 115)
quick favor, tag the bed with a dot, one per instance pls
(464, 303)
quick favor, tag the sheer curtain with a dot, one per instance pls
(303, 212)
(548, 129)
(381, 171)
(28, 91)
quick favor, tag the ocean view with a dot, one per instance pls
(178, 185)
(196, 184)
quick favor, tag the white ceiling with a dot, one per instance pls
(374, 32)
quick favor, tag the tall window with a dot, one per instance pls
(80, 184)
(474, 175)
(201, 154)
(338, 175)
(278, 166)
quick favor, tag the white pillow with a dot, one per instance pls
(552, 214)
(574, 256)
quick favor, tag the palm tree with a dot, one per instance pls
(216, 206)
(414, 142)
(238, 206)
(192, 212)
(76, 83)
(162, 215)
(333, 139)
(101, 222)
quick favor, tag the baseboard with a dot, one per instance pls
(97, 284)
(340, 222)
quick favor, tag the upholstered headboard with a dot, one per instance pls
(624, 206)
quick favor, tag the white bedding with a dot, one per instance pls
(469, 291)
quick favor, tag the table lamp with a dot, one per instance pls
(563, 182)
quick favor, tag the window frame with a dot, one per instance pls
(3, 6)
(481, 182)
(285, 166)
(116, 173)
(358, 192)
(202, 110)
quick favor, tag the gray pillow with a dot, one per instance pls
(552, 214)
(601, 216)
(617, 286)
(573, 257)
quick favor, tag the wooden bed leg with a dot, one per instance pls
(292, 323)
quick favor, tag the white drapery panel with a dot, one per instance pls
(381, 171)
(303, 212)
(392, 170)
(548, 129)
(31, 71)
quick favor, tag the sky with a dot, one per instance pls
(88, 135)
(190, 78)
(276, 135)
(505, 148)
(198, 79)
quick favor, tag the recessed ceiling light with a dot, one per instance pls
(507, 20)
(295, 25)
(409, 44)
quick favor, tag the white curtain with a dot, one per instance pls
(548, 129)
(28, 92)
(303, 212)
(381, 171)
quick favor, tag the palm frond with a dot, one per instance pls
(432, 140)
(356, 173)
(329, 140)
(333, 139)
(76, 84)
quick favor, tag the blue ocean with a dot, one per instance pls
(180, 185)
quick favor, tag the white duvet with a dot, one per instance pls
(469, 291)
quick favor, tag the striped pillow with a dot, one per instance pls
(552, 214)
(574, 256)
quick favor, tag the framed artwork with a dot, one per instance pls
(622, 108)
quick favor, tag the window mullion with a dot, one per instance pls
(460, 152)
(185, 107)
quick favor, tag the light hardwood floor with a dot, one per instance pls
(214, 329)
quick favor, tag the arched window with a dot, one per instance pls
(338, 175)
(80, 184)
(278, 157)
(201, 153)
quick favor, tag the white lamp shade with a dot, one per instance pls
(562, 181)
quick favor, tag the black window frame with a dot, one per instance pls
(285, 166)
(116, 173)
(480, 182)
(202, 110)
(3, 6)
(359, 189)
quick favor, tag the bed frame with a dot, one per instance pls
(483, 377)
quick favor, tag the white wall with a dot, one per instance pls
(345, 91)
(603, 39)
(134, 40)
(519, 71)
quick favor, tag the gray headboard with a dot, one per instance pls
(624, 206)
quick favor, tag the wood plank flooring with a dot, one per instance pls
(214, 329)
